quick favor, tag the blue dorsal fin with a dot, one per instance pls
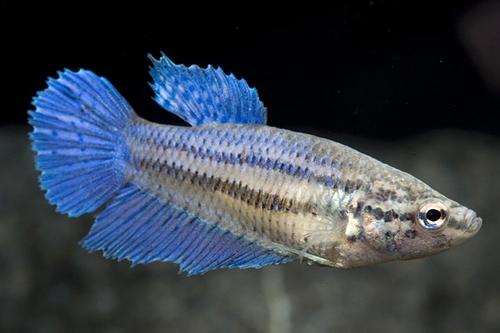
(141, 228)
(202, 96)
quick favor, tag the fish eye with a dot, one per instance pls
(433, 216)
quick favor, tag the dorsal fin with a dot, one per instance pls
(202, 96)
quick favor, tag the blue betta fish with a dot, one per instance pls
(228, 191)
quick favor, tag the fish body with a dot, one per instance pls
(229, 191)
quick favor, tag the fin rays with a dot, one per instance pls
(141, 228)
(78, 125)
(76, 137)
(202, 96)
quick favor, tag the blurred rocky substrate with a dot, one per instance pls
(49, 284)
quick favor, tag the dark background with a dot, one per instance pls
(373, 68)
(415, 84)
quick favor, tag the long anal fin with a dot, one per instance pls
(201, 96)
(139, 227)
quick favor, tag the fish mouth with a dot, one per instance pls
(473, 223)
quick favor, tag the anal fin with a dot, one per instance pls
(141, 228)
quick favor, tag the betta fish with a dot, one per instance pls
(228, 191)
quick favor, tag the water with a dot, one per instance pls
(415, 87)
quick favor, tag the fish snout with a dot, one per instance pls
(472, 222)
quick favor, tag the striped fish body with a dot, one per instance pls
(229, 191)
(285, 190)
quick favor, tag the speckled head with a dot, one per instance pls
(401, 218)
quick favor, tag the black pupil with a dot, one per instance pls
(433, 215)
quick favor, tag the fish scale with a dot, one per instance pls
(227, 191)
(254, 217)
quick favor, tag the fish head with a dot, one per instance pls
(436, 224)
(402, 218)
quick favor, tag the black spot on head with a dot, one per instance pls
(410, 233)
(388, 234)
(378, 213)
(351, 186)
(384, 194)
(406, 217)
(390, 215)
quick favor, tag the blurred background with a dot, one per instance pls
(414, 85)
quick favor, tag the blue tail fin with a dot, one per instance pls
(77, 134)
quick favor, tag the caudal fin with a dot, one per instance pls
(77, 134)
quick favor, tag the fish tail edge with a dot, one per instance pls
(78, 125)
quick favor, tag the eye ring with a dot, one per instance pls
(432, 216)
